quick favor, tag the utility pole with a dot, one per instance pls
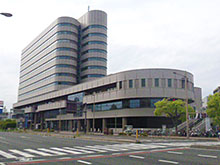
(93, 121)
(187, 111)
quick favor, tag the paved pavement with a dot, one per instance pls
(20, 148)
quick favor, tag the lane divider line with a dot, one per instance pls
(168, 161)
(207, 156)
(138, 157)
(84, 162)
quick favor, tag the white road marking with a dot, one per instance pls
(75, 149)
(7, 155)
(93, 149)
(38, 152)
(116, 153)
(168, 161)
(84, 162)
(92, 155)
(65, 158)
(22, 153)
(173, 152)
(138, 157)
(52, 151)
(207, 156)
(2, 163)
(102, 148)
(64, 150)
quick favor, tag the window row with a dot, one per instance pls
(95, 26)
(123, 104)
(95, 34)
(57, 25)
(46, 86)
(47, 78)
(157, 82)
(49, 46)
(92, 75)
(47, 70)
(94, 59)
(49, 39)
(94, 51)
(94, 42)
(49, 61)
(94, 67)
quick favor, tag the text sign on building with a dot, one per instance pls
(1, 103)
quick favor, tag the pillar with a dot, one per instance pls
(104, 125)
(87, 125)
(124, 122)
(78, 125)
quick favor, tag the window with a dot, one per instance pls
(130, 83)
(183, 83)
(135, 103)
(156, 82)
(169, 81)
(143, 82)
(120, 84)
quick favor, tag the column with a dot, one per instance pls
(124, 122)
(104, 125)
(87, 125)
(78, 125)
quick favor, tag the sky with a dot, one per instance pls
(177, 34)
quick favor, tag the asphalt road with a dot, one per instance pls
(21, 148)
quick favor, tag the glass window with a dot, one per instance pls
(183, 83)
(156, 82)
(120, 84)
(130, 83)
(135, 103)
(143, 82)
(169, 82)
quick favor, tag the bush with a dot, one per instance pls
(6, 124)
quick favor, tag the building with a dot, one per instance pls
(64, 86)
(126, 98)
(66, 53)
(217, 90)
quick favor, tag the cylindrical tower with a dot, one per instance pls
(93, 47)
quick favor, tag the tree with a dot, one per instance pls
(175, 110)
(213, 109)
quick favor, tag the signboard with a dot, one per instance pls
(1, 111)
(1, 103)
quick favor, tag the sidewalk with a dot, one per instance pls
(118, 138)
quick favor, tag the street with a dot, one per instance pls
(23, 148)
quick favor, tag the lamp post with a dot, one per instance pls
(60, 117)
(186, 102)
(6, 14)
(93, 121)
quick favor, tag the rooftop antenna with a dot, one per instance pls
(88, 8)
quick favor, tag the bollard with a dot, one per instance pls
(77, 132)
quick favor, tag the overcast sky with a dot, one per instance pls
(178, 34)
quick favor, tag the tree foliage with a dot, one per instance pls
(5, 124)
(213, 109)
(175, 110)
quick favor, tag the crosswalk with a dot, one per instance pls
(92, 149)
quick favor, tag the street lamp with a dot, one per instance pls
(93, 121)
(6, 14)
(186, 103)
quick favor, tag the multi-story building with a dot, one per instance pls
(66, 53)
(59, 88)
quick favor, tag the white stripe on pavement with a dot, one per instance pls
(172, 152)
(52, 151)
(7, 155)
(168, 161)
(92, 149)
(75, 149)
(68, 151)
(38, 152)
(102, 148)
(134, 156)
(207, 156)
(22, 153)
(84, 162)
